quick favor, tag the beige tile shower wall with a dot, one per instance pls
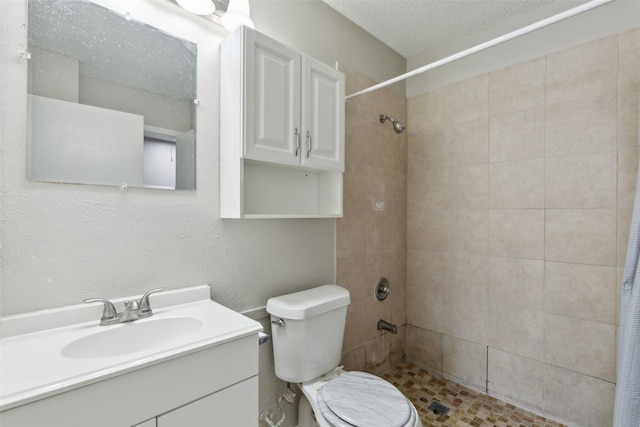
(371, 236)
(520, 191)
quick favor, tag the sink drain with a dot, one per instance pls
(438, 408)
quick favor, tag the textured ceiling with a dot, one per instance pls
(413, 27)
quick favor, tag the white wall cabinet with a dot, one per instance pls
(282, 131)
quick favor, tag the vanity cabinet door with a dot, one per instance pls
(235, 406)
(148, 423)
(272, 101)
(323, 114)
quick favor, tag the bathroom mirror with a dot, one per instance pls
(111, 101)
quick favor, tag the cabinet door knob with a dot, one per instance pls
(297, 134)
(309, 143)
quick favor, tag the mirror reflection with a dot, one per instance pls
(111, 100)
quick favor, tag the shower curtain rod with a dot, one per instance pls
(512, 35)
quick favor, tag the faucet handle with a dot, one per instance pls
(145, 307)
(109, 312)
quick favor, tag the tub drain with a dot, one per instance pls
(438, 408)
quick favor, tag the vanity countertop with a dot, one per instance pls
(39, 354)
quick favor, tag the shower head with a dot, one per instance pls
(397, 126)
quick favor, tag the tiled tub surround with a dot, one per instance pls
(520, 188)
(371, 237)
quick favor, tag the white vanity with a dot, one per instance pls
(193, 363)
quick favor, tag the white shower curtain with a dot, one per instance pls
(627, 404)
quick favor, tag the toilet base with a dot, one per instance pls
(306, 416)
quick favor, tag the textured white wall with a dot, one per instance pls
(62, 243)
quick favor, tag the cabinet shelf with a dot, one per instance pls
(279, 192)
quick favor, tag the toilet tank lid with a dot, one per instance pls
(309, 303)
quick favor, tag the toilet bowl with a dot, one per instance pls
(359, 399)
(307, 331)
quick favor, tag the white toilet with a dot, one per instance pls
(308, 328)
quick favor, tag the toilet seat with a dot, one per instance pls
(359, 399)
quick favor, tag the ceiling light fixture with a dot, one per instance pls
(199, 7)
(237, 15)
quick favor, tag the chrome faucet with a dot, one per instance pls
(133, 310)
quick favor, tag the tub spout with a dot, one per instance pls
(383, 324)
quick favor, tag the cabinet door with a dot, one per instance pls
(236, 406)
(272, 101)
(148, 423)
(323, 116)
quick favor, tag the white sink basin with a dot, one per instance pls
(131, 337)
(53, 351)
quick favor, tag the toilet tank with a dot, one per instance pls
(309, 341)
